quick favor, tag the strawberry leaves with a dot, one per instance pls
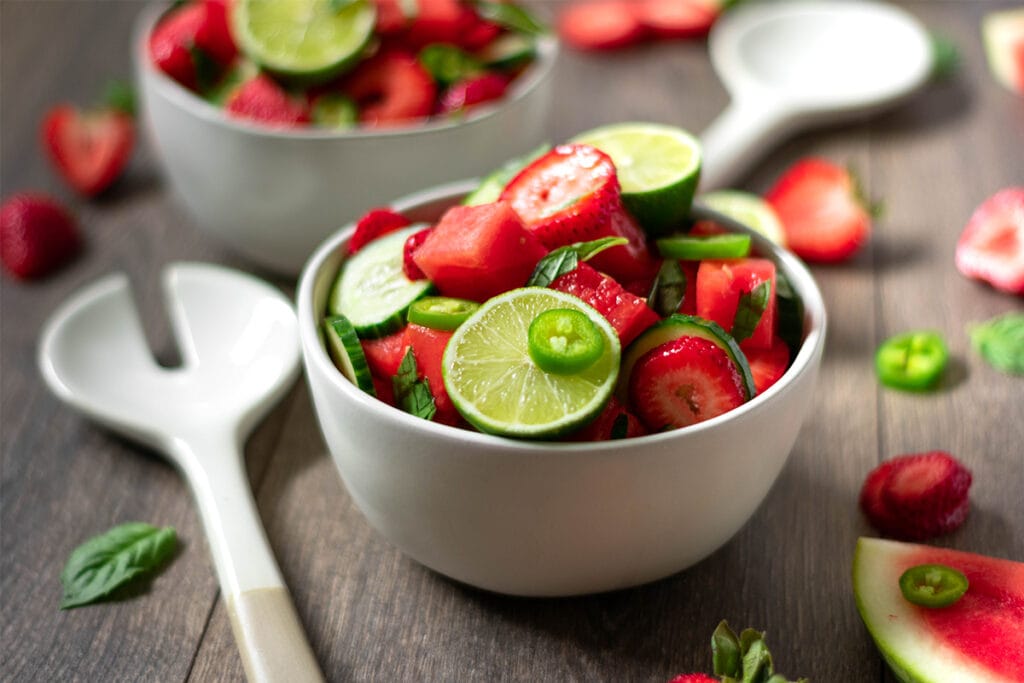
(744, 658)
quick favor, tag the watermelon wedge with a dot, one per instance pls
(979, 638)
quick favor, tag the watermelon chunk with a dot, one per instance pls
(428, 346)
(477, 252)
(978, 638)
(384, 355)
(628, 313)
(719, 286)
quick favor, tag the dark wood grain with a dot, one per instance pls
(373, 614)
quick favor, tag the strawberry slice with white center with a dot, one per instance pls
(677, 18)
(602, 25)
(683, 382)
(991, 247)
(822, 212)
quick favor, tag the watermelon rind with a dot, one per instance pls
(912, 651)
(1001, 32)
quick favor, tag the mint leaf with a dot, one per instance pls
(112, 559)
(749, 310)
(668, 289)
(411, 393)
(565, 259)
(1000, 341)
(620, 427)
(120, 96)
(448, 64)
(509, 16)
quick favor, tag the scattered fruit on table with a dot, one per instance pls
(912, 361)
(918, 496)
(614, 24)
(1003, 35)
(991, 247)
(741, 658)
(339, 65)
(1000, 342)
(976, 639)
(37, 235)
(823, 213)
(933, 585)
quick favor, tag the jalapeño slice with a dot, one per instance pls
(933, 585)
(564, 341)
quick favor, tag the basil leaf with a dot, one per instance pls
(1000, 341)
(749, 310)
(411, 393)
(448, 64)
(725, 651)
(565, 259)
(491, 186)
(120, 96)
(790, 311)
(509, 16)
(668, 289)
(112, 559)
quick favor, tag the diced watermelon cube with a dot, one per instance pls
(384, 355)
(628, 313)
(428, 346)
(476, 252)
(767, 366)
(719, 286)
(689, 305)
(603, 426)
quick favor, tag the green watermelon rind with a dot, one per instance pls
(876, 570)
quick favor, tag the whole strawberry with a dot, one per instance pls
(89, 149)
(37, 235)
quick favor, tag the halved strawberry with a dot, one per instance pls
(37, 235)
(614, 422)
(822, 212)
(391, 87)
(172, 41)
(472, 91)
(88, 149)
(415, 241)
(991, 247)
(694, 678)
(437, 21)
(677, 18)
(261, 99)
(683, 382)
(384, 355)
(213, 35)
(767, 366)
(630, 261)
(602, 25)
(628, 314)
(373, 224)
(391, 17)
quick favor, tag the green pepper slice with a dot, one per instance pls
(913, 361)
(441, 312)
(933, 585)
(564, 341)
(691, 248)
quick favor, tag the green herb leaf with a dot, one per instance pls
(757, 661)
(668, 289)
(509, 16)
(749, 310)
(620, 427)
(207, 69)
(790, 313)
(565, 259)
(945, 57)
(411, 393)
(120, 96)
(112, 559)
(1000, 341)
(725, 651)
(448, 64)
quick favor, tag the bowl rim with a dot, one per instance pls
(548, 48)
(318, 360)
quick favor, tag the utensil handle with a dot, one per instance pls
(738, 138)
(267, 629)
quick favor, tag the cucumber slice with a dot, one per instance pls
(508, 51)
(347, 353)
(678, 325)
(372, 291)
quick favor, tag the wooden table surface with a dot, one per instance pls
(373, 614)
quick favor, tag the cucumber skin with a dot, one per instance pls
(341, 338)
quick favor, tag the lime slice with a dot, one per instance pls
(496, 385)
(748, 209)
(305, 39)
(658, 168)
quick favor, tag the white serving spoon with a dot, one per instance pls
(240, 346)
(791, 64)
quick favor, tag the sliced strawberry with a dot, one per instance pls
(614, 422)
(991, 247)
(375, 223)
(602, 25)
(391, 17)
(677, 18)
(693, 678)
(172, 41)
(415, 241)
(213, 35)
(89, 149)
(261, 99)
(768, 365)
(37, 235)
(872, 501)
(428, 346)
(683, 382)
(438, 21)
(478, 34)
(472, 91)
(720, 284)
(822, 214)
(384, 355)
(627, 313)
(391, 87)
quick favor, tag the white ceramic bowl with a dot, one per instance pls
(547, 519)
(273, 196)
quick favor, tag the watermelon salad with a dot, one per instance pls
(341, 64)
(544, 289)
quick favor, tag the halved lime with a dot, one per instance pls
(658, 168)
(748, 209)
(305, 39)
(496, 385)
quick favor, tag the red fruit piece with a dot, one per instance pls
(385, 389)
(612, 419)
(719, 287)
(768, 365)
(677, 18)
(437, 21)
(171, 42)
(37, 235)
(428, 346)
(478, 34)
(872, 501)
(391, 17)
(822, 213)
(603, 25)
(89, 149)
(213, 35)
(991, 247)
(391, 87)
(472, 91)
(627, 313)
(683, 382)
(409, 267)
(476, 252)
(693, 678)
(384, 355)
(261, 99)
(375, 223)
